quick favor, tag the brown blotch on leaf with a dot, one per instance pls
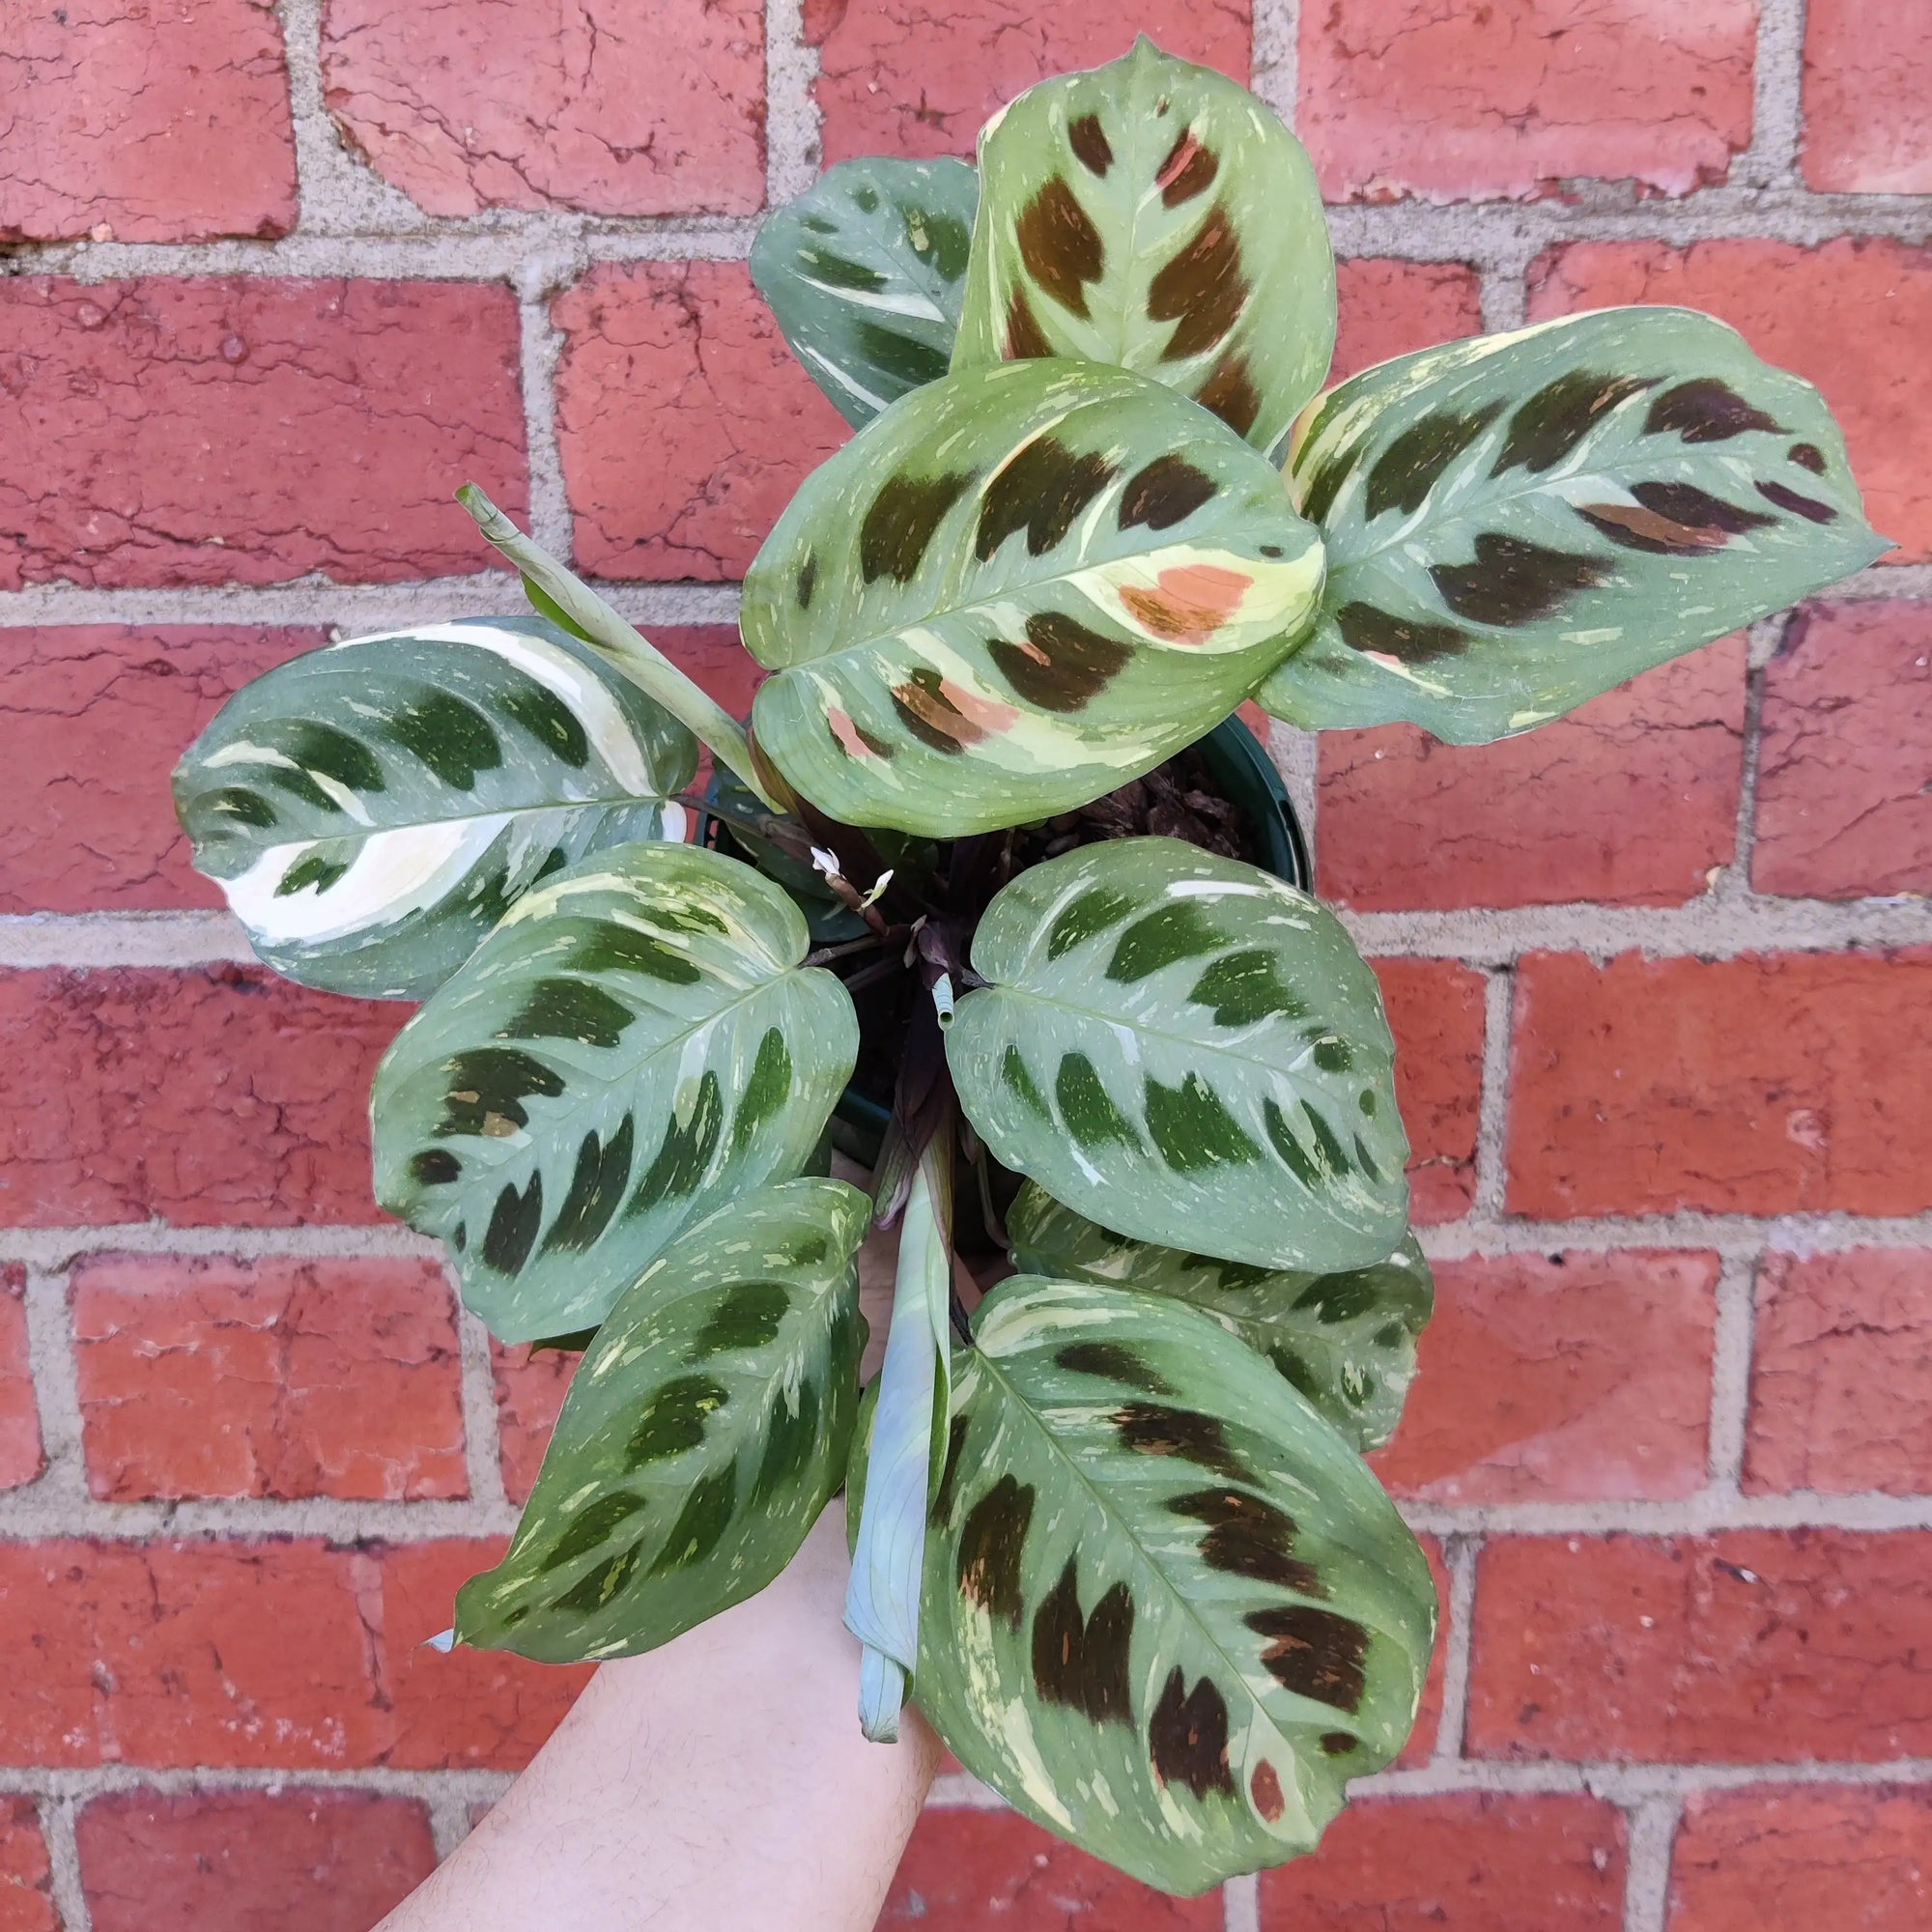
(1554, 420)
(900, 524)
(1324, 485)
(1338, 1743)
(1188, 170)
(1514, 580)
(808, 579)
(1314, 1653)
(1061, 664)
(1364, 627)
(1672, 519)
(1406, 470)
(1024, 335)
(990, 1543)
(1808, 456)
(1166, 492)
(1705, 409)
(1081, 1662)
(1112, 1361)
(1187, 1736)
(1202, 290)
(1248, 1536)
(1807, 507)
(1089, 141)
(1040, 489)
(928, 711)
(1264, 1785)
(1153, 1429)
(1060, 246)
(1230, 393)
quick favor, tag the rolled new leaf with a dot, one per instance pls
(635, 1045)
(372, 809)
(1347, 1340)
(1016, 590)
(866, 271)
(1188, 1051)
(1519, 522)
(1168, 1612)
(702, 1434)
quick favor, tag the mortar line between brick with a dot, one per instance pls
(1731, 1349)
(57, 1817)
(1777, 109)
(1459, 1557)
(541, 350)
(1653, 1832)
(75, 1785)
(1241, 1904)
(449, 1821)
(481, 1431)
(1277, 55)
(1734, 884)
(1493, 1095)
(63, 1480)
(791, 114)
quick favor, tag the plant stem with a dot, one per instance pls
(621, 644)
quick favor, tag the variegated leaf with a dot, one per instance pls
(1187, 1050)
(1152, 214)
(635, 1044)
(702, 1434)
(1018, 589)
(1167, 1609)
(1346, 1341)
(372, 809)
(865, 273)
(1519, 522)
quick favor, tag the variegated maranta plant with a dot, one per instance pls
(1112, 1526)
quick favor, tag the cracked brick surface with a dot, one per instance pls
(21, 1456)
(1786, 1083)
(1436, 1014)
(26, 1880)
(1751, 1646)
(271, 1377)
(93, 717)
(211, 1860)
(220, 1094)
(685, 423)
(1844, 788)
(599, 105)
(1833, 1331)
(921, 76)
(1867, 80)
(1855, 317)
(1636, 802)
(1472, 1862)
(1452, 102)
(249, 430)
(144, 120)
(1560, 1377)
(1387, 307)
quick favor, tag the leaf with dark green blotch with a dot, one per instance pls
(903, 520)
(538, 711)
(486, 1085)
(1412, 463)
(448, 735)
(513, 1227)
(313, 869)
(596, 1188)
(1192, 1127)
(1062, 665)
(1040, 489)
(1707, 409)
(1407, 639)
(1089, 1115)
(1111, 1361)
(1317, 1654)
(992, 1541)
(1176, 931)
(603, 945)
(1088, 913)
(1561, 414)
(561, 1009)
(747, 1317)
(685, 1153)
(1020, 1083)
(767, 1089)
(1241, 988)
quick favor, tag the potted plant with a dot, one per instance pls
(994, 890)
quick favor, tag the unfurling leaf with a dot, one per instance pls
(1017, 589)
(1153, 215)
(1346, 1341)
(702, 1434)
(866, 273)
(1519, 522)
(372, 809)
(1188, 1051)
(1168, 1612)
(634, 1045)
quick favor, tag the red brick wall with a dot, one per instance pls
(277, 280)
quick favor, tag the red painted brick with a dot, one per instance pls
(1636, 801)
(530, 1392)
(190, 429)
(144, 123)
(272, 1377)
(1513, 98)
(1867, 77)
(26, 1882)
(1763, 1085)
(686, 424)
(220, 1094)
(1855, 317)
(248, 1860)
(93, 717)
(1435, 1012)
(1843, 805)
(1847, 1855)
(713, 656)
(1387, 307)
(1751, 1646)
(1841, 1373)
(919, 77)
(1560, 1377)
(1472, 1862)
(591, 106)
(20, 1458)
(965, 1870)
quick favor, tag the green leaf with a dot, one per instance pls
(702, 1434)
(1153, 215)
(1018, 589)
(372, 809)
(1346, 1341)
(865, 273)
(1519, 522)
(1189, 1051)
(634, 1045)
(1167, 1609)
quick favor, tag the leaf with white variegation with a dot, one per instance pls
(1167, 1611)
(1519, 522)
(634, 1045)
(1189, 1051)
(702, 1434)
(1152, 214)
(865, 273)
(1346, 1341)
(1016, 590)
(372, 809)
